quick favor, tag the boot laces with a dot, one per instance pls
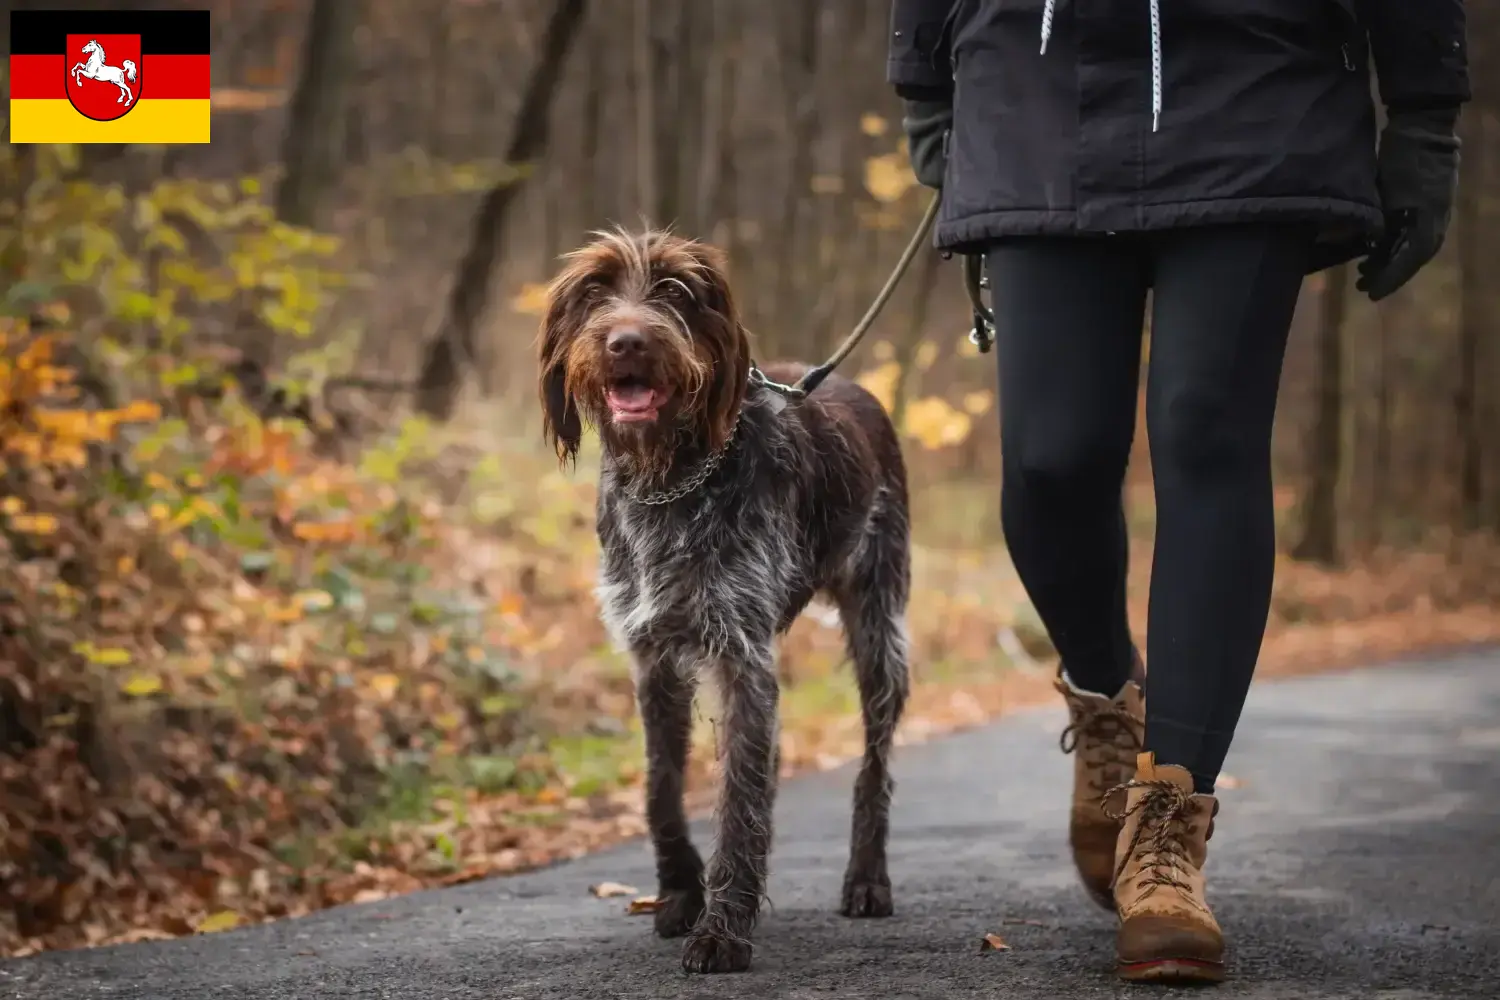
(1165, 820)
(1109, 737)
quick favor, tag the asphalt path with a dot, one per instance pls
(1357, 856)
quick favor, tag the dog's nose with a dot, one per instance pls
(627, 340)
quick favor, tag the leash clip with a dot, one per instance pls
(982, 332)
(778, 393)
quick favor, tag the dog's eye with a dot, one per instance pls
(674, 290)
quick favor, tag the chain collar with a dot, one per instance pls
(777, 394)
(692, 482)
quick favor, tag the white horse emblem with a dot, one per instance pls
(97, 69)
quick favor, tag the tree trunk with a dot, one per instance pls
(717, 82)
(647, 87)
(593, 118)
(1392, 314)
(787, 300)
(451, 349)
(1320, 527)
(311, 151)
(1471, 322)
(722, 191)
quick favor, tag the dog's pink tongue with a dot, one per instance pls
(632, 400)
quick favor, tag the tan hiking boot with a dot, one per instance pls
(1167, 931)
(1104, 734)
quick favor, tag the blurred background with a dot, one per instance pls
(295, 609)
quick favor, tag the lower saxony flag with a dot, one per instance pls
(109, 76)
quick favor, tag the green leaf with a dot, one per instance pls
(257, 562)
(23, 295)
(446, 846)
(424, 613)
(496, 704)
(491, 774)
(136, 306)
(182, 375)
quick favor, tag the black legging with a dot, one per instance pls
(1069, 314)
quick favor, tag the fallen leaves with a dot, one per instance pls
(643, 905)
(608, 890)
(33, 524)
(385, 686)
(224, 920)
(993, 942)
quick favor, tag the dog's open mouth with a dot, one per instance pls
(632, 399)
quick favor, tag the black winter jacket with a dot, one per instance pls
(1097, 116)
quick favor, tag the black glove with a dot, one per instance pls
(1418, 177)
(926, 123)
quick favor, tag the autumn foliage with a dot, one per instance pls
(178, 706)
(217, 649)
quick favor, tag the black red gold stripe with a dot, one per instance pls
(163, 32)
(173, 107)
(42, 78)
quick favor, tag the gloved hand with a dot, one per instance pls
(926, 123)
(1418, 176)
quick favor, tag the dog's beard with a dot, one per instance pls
(647, 450)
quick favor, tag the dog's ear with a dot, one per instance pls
(562, 424)
(728, 345)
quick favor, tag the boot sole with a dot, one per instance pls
(1172, 970)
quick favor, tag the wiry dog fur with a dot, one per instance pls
(807, 498)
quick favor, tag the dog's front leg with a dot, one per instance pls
(736, 876)
(664, 691)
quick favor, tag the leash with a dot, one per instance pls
(982, 334)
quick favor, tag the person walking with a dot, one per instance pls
(1212, 152)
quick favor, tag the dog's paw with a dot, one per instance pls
(706, 953)
(677, 911)
(867, 897)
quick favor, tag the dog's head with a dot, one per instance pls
(642, 340)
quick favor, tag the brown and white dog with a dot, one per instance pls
(722, 510)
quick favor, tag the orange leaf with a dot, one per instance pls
(141, 411)
(993, 942)
(34, 524)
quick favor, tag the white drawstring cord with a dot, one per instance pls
(1155, 65)
(1050, 8)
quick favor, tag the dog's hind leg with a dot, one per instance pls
(736, 875)
(664, 692)
(872, 604)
